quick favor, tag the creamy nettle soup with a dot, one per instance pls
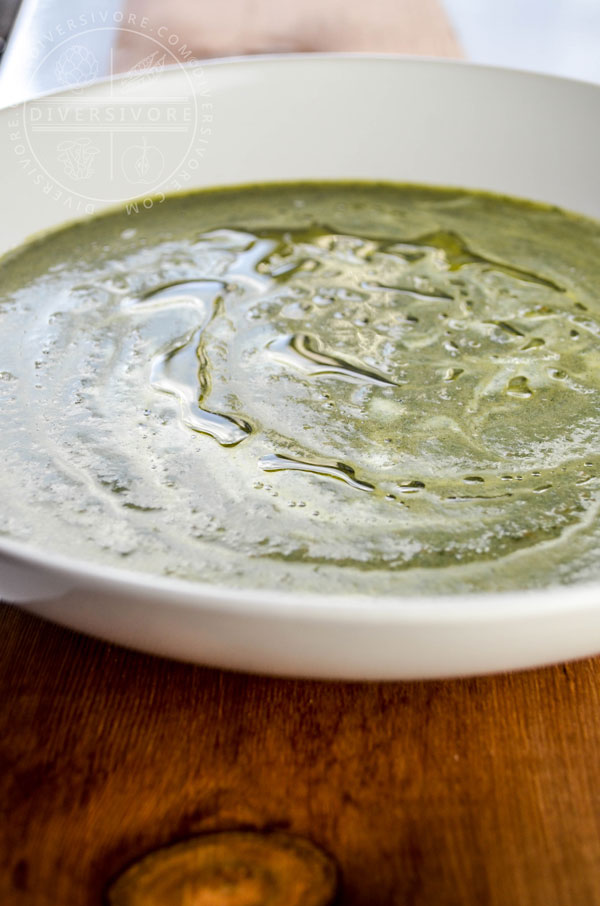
(338, 387)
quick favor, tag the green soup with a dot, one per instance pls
(334, 387)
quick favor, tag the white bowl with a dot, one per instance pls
(335, 117)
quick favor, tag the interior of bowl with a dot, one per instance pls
(324, 117)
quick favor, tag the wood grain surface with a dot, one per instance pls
(459, 793)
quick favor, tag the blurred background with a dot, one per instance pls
(557, 36)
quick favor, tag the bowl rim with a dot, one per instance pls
(281, 58)
(447, 609)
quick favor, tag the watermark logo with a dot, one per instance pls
(76, 65)
(78, 157)
(131, 137)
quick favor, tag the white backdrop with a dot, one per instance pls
(557, 36)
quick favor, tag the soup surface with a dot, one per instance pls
(325, 387)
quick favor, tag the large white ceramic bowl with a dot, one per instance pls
(335, 117)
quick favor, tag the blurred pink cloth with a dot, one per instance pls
(233, 27)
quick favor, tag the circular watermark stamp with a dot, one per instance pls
(130, 138)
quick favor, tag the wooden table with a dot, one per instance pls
(480, 792)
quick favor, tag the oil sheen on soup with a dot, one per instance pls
(368, 388)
